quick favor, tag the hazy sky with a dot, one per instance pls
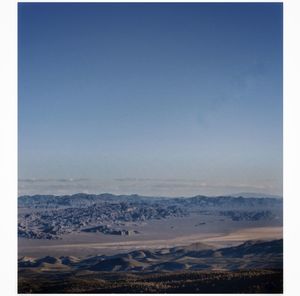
(156, 92)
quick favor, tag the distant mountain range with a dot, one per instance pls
(255, 194)
(83, 198)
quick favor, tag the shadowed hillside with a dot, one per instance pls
(252, 267)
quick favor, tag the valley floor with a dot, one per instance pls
(83, 244)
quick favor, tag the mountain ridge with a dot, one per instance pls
(248, 255)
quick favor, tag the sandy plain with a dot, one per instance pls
(155, 235)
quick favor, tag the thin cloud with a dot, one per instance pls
(150, 187)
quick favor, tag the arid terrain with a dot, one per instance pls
(107, 243)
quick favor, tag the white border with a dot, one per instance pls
(8, 144)
(291, 148)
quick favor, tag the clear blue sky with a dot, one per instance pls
(152, 91)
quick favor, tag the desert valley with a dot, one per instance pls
(116, 243)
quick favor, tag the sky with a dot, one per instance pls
(162, 99)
